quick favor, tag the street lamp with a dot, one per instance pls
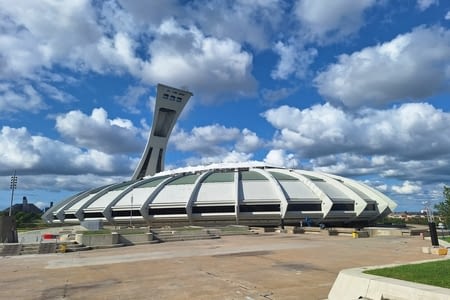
(131, 211)
(12, 186)
(431, 224)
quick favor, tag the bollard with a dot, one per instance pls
(62, 248)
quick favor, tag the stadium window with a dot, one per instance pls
(126, 213)
(305, 207)
(70, 216)
(343, 206)
(212, 209)
(371, 206)
(167, 211)
(259, 208)
(93, 215)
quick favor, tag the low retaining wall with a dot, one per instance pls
(113, 238)
(354, 284)
(388, 231)
(135, 239)
(97, 239)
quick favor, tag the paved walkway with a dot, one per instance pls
(267, 266)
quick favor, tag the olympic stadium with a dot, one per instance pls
(254, 194)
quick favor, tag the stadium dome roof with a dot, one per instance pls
(242, 193)
(250, 193)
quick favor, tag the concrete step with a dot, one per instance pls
(29, 249)
(172, 235)
(45, 248)
(77, 247)
(72, 247)
(10, 249)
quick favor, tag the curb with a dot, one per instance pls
(354, 284)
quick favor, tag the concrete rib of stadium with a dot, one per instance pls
(225, 194)
(243, 193)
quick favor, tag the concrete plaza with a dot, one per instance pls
(264, 266)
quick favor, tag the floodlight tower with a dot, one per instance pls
(169, 104)
(12, 186)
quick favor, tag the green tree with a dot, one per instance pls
(24, 219)
(444, 207)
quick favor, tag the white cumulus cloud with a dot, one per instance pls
(407, 188)
(117, 39)
(33, 154)
(227, 19)
(225, 157)
(99, 132)
(279, 157)
(408, 142)
(331, 20)
(216, 143)
(206, 139)
(36, 35)
(412, 66)
(424, 4)
(414, 130)
(17, 97)
(293, 60)
(186, 57)
(248, 141)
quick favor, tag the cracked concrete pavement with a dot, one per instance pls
(264, 266)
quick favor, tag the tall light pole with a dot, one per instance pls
(431, 224)
(131, 211)
(12, 186)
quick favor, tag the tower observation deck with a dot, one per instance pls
(169, 104)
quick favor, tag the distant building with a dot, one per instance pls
(24, 207)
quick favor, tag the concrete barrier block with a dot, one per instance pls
(354, 284)
(426, 250)
(363, 234)
(132, 239)
(298, 230)
(346, 282)
(97, 239)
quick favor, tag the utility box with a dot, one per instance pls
(8, 230)
(92, 224)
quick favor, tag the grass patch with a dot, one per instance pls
(447, 239)
(431, 273)
(233, 228)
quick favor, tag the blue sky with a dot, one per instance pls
(355, 88)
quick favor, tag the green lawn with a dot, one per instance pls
(433, 273)
(447, 239)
